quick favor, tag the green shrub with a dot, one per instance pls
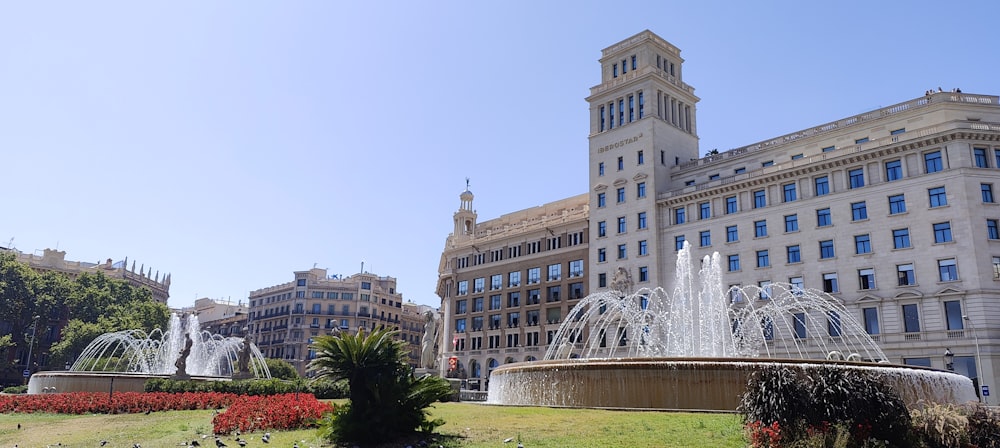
(940, 426)
(984, 426)
(777, 394)
(15, 390)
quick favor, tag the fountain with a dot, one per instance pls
(124, 360)
(694, 349)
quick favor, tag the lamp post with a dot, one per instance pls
(949, 360)
(27, 364)
(979, 373)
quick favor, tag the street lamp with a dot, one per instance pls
(975, 334)
(949, 360)
(27, 364)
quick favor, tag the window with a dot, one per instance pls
(621, 163)
(496, 282)
(366, 285)
(862, 244)
(897, 204)
(495, 302)
(642, 113)
(460, 325)
(866, 278)
(791, 223)
(904, 274)
(911, 318)
(601, 200)
(830, 282)
(823, 218)
(856, 177)
(799, 325)
(763, 260)
(767, 328)
(600, 166)
(643, 248)
(794, 254)
(678, 242)
(621, 195)
(631, 108)
(822, 185)
(992, 231)
(602, 229)
(900, 238)
(893, 170)
(767, 163)
(797, 156)
(742, 170)
(833, 327)
(730, 204)
(534, 275)
(622, 225)
(948, 270)
(892, 132)
(576, 290)
(704, 210)
(622, 252)
(641, 219)
(602, 255)
(706, 238)
(826, 249)
(798, 285)
(514, 279)
(953, 315)
(555, 272)
(479, 285)
(861, 140)
(871, 320)
(942, 232)
(732, 234)
(640, 190)
(463, 287)
(829, 148)
(679, 215)
(614, 70)
(788, 192)
(760, 228)
(643, 274)
(765, 289)
(552, 293)
(937, 197)
(859, 211)
(759, 199)
(461, 306)
(513, 320)
(979, 154)
(932, 162)
(477, 305)
(734, 263)
(987, 190)
(639, 157)
(996, 268)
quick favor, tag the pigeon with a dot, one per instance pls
(18, 426)
(218, 442)
(241, 442)
(195, 443)
(104, 442)
(266, 438)
(508, 440)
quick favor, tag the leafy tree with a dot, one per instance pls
(281, 369)
(386, 401)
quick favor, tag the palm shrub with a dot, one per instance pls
(984, 425)
(941, 426)
(386, 401)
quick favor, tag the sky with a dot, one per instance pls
(232, 143)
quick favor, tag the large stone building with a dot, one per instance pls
(506, 284)
(892, 211)
(221, 317)
(284, 318)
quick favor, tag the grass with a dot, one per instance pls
(466, 426)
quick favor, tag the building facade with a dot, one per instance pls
(893, 211)
(284, 318)
(506, 284)
(223, 318)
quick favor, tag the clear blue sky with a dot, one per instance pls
(231, 143)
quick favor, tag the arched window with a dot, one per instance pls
(475, 368)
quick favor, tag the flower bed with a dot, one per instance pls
(119, 403)
(280, 412)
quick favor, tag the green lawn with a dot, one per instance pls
(466, 425)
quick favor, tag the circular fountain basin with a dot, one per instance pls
(71, 381)
(693, 384)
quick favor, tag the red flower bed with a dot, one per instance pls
(118, 403)
(286, 411)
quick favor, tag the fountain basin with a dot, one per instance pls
(690, 384)
(70, 381)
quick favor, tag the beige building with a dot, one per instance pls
(506, 284)
(220, 317)
(284, 318)
(892, 211)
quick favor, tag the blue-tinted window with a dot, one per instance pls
(937, 197)
(857, 177)
(679, 215)
(871, 320)
(933, 162)
(823, 218)
(859, 211)
(642, 105)
(897, 204)
(992, 230)
(602, 118)
(602, 255)
(987, 191)
(600, 168)
(601, 200)
(826, 249)
(641, 220)
(731, 205)
(794, 254)
(862, 244)
(942, 232)
(788, 192)
(643, 247)
(979, 154)
(947, 270)
(679, 242)
(799, 325)
(622, 251)
(763, 260)
(792, 223)
(911, 318)
(822, 185)
(704, 210)
(706, 238)
(893, 170)
(622, 225)
(732, 234)
(602, 229)
(759, 199)
(734, 263)
(621, 195)
(760, 228)
(900, 238)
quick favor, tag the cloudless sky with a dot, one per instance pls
(231, 143)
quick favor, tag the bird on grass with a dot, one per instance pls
(218, 442)
(266, 438)
(104, 442)
(194, 443)
(241, 442)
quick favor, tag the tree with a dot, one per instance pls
(281, 369)
(386, 401)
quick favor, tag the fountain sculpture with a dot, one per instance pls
(694, 348)
(124, 360)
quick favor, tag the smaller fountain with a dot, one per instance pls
(124, 360)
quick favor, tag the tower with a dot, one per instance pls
(642, 124)
(465, 217)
